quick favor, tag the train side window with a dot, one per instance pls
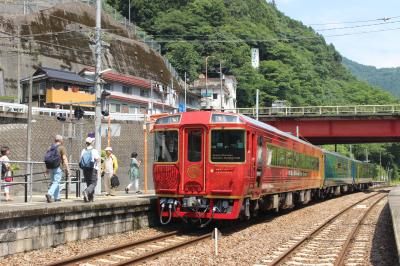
(270, 154)
(166, 146)
(289, 158)
(281, 157)
(194, 146)
(259, 151)
(296, 159)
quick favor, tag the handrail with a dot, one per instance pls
(28, 178)
(346, 110)
(357, 110)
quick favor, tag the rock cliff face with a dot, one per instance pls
(62, 37)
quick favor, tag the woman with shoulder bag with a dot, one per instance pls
(134, 173)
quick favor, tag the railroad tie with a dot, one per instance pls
(120, 257)
(154, 246)
(106, 261)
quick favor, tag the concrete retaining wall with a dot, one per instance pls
(31, 228)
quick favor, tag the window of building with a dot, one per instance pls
(133, 109)
(115, 108)
(126, 89)
(124, 108)
(108, 87)
(215, 96)
(144, 93)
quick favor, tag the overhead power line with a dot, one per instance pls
(359, 26)
(275, 39)
(353, 22)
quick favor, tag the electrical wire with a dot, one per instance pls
(352, 22)
(277, 39)
(360, 26)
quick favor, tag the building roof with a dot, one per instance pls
(59, 75)
(111, 76)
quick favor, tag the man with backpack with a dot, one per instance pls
(89, 163)
(56, 161)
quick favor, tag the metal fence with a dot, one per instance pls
(30, 177)
(14, 108)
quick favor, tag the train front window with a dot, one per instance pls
(194, 145)
(166, 146)
(227, 146)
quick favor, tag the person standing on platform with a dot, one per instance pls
(109, 167)
(5, 170)
(89, 163)
(56, 161)
(134, 173)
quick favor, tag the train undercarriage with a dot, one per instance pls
(201, 210)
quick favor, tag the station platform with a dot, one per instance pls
(38, 224)
(394, 204)
(38, 200)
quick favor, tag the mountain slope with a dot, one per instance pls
(386, 78)
(296, 64)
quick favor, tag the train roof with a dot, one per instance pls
(341, 156)
(275, 130)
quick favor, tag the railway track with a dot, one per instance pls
(133, 252)
(329, 242)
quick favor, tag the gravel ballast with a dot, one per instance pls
(247, 246)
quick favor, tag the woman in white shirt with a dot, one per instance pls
(5, 152)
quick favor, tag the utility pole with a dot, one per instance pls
(185, 91)
(19, 66)
(29, 139)
(257, 92)
(206, 82)
(366, 155)
(97, 121)
(220, 77)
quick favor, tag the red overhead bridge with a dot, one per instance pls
(335, 124)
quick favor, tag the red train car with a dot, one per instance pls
(213, 165)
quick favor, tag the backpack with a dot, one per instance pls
(86, 161)
(52, 159)
(3, 169)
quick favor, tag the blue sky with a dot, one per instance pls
(380, 49)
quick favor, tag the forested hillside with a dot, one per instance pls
(386, 78)
(296, 63)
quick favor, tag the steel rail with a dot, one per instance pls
(285, 255)
(151, 254)
(350, 238)
(101, 252)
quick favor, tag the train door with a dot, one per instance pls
(260, 159)
(253, 156)
(194, 160)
